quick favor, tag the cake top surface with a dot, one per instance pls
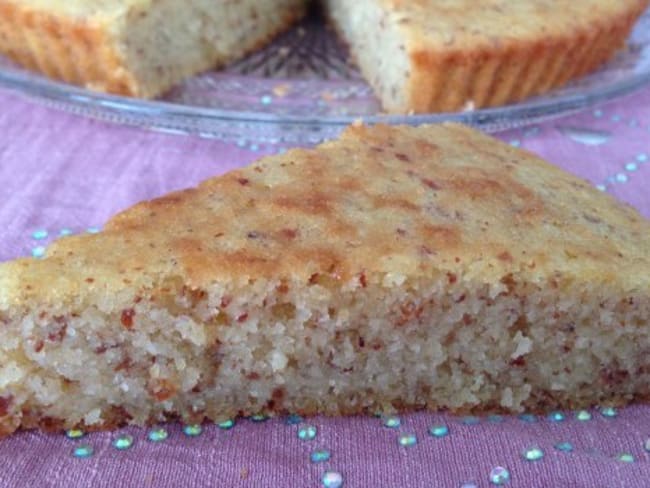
(471, 17)
(449, 23)
(85, 8)
(382, 204)
(428, 25)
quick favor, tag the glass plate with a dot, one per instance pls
(302, 89)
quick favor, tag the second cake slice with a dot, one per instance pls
(137, 47)
(445, 55)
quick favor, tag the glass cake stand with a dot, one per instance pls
(302, 89)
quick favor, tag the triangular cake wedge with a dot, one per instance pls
(447, 55)
(137, 47)
(394, 268)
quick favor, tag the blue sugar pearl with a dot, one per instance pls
(564, 446)
(499, 476)
(533, 454)
(528, 418)
(332, 479)
(83, 451)
(625, 457)
(192, 430)
(123, 442)
(39, 234)
(320, 456)
(471, 420)
(293, 419)
(38, 252)
(158, 435)
(392, 422)
(608, 412)
(439, 431)
(408, 440)
(307, 433)
(226, 424)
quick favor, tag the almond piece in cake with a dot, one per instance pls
(402, 267)
(444, 55)
(137, 47)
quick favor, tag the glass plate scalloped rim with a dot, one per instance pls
(301, 90)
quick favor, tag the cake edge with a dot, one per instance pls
(497, 75)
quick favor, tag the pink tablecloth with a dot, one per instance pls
(60, 174)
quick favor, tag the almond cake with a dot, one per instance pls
(395, 268)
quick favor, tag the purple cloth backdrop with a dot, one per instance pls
(60, 173)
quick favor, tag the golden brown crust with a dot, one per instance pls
(510, 70)
(404, 194)
(65, 48)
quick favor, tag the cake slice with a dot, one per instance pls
(137, 47)
(446, 55)
(401, 267)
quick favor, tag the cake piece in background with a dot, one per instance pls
(448, 55)
(394, 268)
(137, 47)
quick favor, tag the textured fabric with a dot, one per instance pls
(59, 172)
